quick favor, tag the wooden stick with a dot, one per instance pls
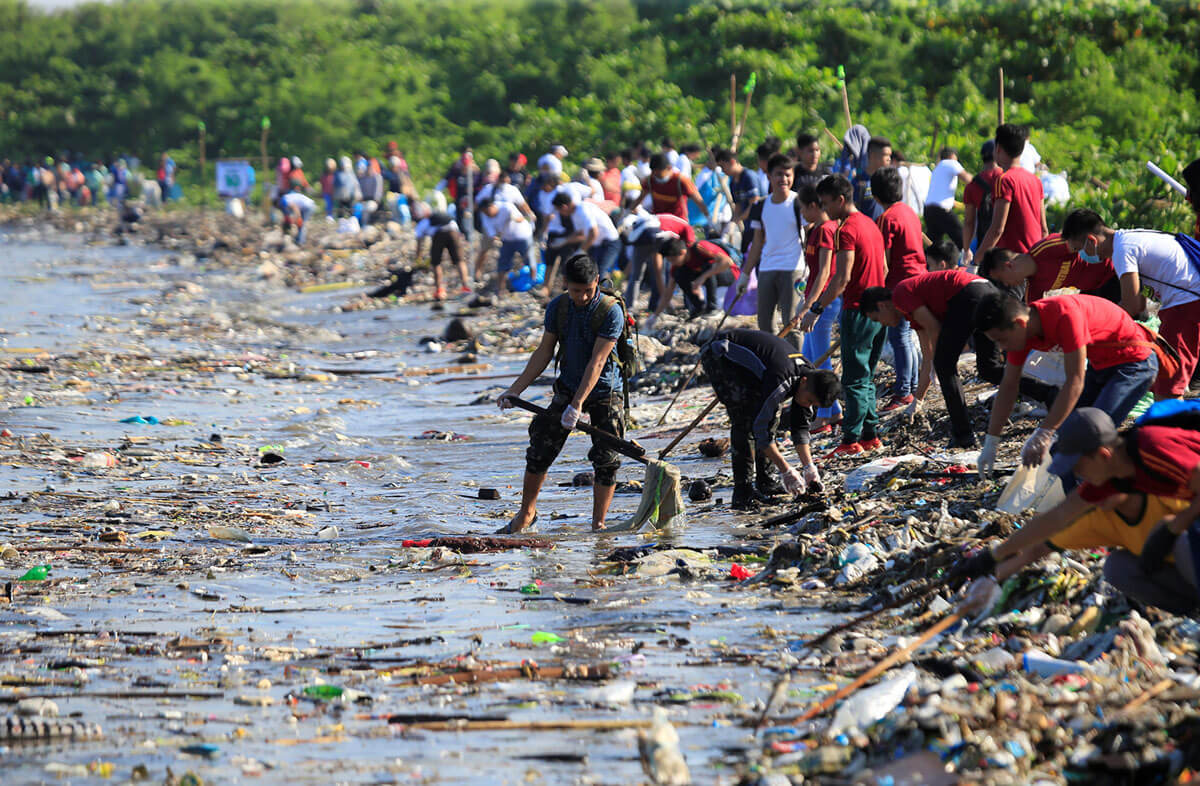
(879, 668)
(624, 447)
(845, 97)
(688, 379)
(741, 126)
(833, 136)
(679, 437)
(559, 725)
(1158, 688)
(1000, 98)
(732, 105)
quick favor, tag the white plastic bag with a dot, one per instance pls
(870, 705)
(1031, 488)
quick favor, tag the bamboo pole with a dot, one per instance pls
(732, 105)
(879, 668)
(266, 164)
(841, 72)
(1000, 98)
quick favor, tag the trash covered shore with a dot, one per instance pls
(245, 537)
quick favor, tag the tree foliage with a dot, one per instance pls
(1105, 84)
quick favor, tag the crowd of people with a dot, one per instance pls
(836, 259)
(864, 243)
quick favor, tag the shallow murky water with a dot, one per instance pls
(360, 607)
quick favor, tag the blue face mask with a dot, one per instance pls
(1091, 259)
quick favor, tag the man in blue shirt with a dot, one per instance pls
(589, 381)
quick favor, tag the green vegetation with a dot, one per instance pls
(1104, 85)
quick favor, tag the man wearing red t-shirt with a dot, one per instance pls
(697, 268)
(941, 307)
(1050, 265)
(820, 241)
(904, 246)
(978, 202)
(1018, 220)
(1109, 360)
(669, 190)
(861, 264)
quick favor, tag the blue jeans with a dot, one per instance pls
(509, 249)
(1118, 389)
(817, 343)
(605, 254)
(907, 363)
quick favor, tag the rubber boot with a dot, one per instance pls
(766, 478)
(744, 496)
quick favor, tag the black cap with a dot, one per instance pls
(988, 151)
(1084, 430)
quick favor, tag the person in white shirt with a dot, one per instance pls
(445, 237)
(500, 191)
(298, 209)
(553, 161)
(1145, 258)
(592, 230)
(940, 218)
(777, 251)
(503, 221)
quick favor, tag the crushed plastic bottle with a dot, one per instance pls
(324, 692)
(867, 706)
(545, 637)
(1043, 665)
(36, 573)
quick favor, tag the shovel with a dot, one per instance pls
(661, 499)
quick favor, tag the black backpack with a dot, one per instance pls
(983, 215)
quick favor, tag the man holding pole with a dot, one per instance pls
(589, 381)
(753, 374)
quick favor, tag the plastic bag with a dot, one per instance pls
(1031, 488)
(870, 705)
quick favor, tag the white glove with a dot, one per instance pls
(504, 401)
(743, 283)
(570, 417)
(1036, 446)
(813, 478)
(793, 482)
(912, 410)
(980, 596)
(965, 257)
(987, 456)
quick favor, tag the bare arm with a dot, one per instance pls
(999, 220)
(845, 264)
(1131, 294)
(930, 330)
(591, 374)
(720, 264)
(536, 364)
(824, 260)
(1012, 566)
(1043, 526)
(1076, 366)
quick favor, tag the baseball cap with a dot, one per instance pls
(1084, 430)
(988, 151)
(559, 150)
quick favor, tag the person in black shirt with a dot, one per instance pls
(754, 374)
(809, 169)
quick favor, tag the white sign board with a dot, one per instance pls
(235, 179)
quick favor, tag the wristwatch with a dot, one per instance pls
(816, 308)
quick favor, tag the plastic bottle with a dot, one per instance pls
(1038, 662)
(36, 573)
(530, 589)
(323, 692)
(544, 637)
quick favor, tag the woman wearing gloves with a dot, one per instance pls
(1110, 362)
(754, 374)
(589, 381)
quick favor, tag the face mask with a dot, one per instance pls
(1091, 259)
(661, 179)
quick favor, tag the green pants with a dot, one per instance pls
(862, 343)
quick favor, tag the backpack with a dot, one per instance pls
(343, 188)
(756, 214)
(983, 216)
(626, 349)
(734, 255)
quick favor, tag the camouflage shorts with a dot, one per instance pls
(605, 411)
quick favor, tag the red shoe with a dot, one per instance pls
(868, 445)
(897, 402)
(845, 449)
(465, 290)
(439, 295)
(826, 429)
